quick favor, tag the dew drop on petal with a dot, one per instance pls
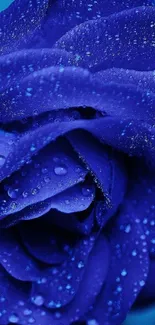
(128, 229)
(92, 322)
(80, 265)
(27, 312)
(13, 205)
(60, 170)
(142, 283)
(2, 160)
(86, 191)
(38, 300)
(134, 253)
(57, 315)
(124, 272)
(34, 191)
(14, 318)
(25, 194)
(31, 320)
(44, 170)
(47, 179)
(33, 148)
(13, 193)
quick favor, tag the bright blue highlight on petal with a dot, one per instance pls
(4, 4)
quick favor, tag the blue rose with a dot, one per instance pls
(77, 160)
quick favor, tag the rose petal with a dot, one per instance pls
(132, 137)
(128, 269)
(7, 141)
(105, 166)
(66, 220)
(44, 242)
(13, 293)
(63, 282)
(63, 16)
(28, 16)
(71, 222)
(15, 298)
(50, 173)
(141, 196)
(17, 65)
(15, 259)
(145, 80)
(56, 88)
(124, 40)
(148, 291)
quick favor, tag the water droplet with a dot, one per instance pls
(80, 265)
(56, 159)
(60, 170)
(60, 288)
(31, 320)
(33, 148)
(13, 205)
(14, 318)
(86, 191)
(54, 271)
(124, 272)
(78, 169)
(2, 160)
(128, 229)
(38, 300)
(142, 283)
(24, 194)
(69, 276)
(57, 315)
(68, 286)
(44, 170)
(47, 179)
(134, 253)
(51, 304)
(34, 191)
(119, 289)
(27, 312)
(109, 303)
(13, 193)
(92, 322)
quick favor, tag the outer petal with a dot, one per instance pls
(62, 284)
(141, 195)
(28, 14)
(15, 298)
(142, 79)
(17, 65)
(123, 40)
(63, 16)
(148, 292)
(127, 272)
(56, 88)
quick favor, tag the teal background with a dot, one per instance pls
(5, 4)
(141, 317)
